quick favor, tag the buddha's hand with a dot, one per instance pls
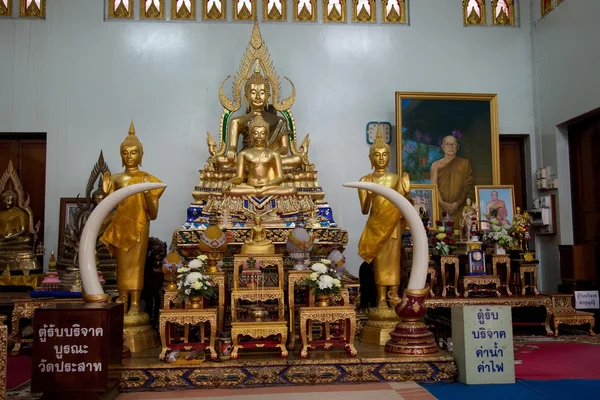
(107, 184)
(227, 185)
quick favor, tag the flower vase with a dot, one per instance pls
(196, 302)
(322, 300)
(499, 249)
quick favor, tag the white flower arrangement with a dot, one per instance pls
(498, 234)
(191, 280)
(323, 279)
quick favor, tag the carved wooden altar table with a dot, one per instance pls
(24, 309)
(347, 314)
(259, 330)
(481, 280)
(532, 269)
(294, 278)
(563, 313)
(186, 318)
(502, 259)
(449, 260)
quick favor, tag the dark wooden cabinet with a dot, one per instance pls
(512, 167)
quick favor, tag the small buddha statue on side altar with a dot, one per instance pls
(17, 233)
(127, 239)
(258, 244)
(381, 241)
(259, 170)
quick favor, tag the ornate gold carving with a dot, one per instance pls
(274, 10)
(327, 315)
(5, 8)
(152, 9)
(120, 9)
(3, 358)
(482, 280)
(214, 10)
(313, 374)
(364, 11)
(335, 11)
(244, 10)
(393, 11)
(188, 317)
(32, 8)
(474, 12)
(305, 10)
(183, 10)
(24, 309)
(503, 12)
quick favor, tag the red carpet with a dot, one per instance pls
(18, 371)
(544, 361)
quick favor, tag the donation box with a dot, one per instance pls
(73, 346)
(483, 344)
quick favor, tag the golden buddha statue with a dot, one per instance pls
(381, 239)
(17, 233)
(258, 244)
(127, 235)
(13, 222)
(259, 170)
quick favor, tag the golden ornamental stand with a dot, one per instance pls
(327, 315)
(187, 317)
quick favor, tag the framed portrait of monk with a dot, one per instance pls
(449, 140)
(495, 202)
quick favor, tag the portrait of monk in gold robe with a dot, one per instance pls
(453, 176)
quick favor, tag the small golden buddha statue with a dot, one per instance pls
(13, 222)
(381, 239)
(127, 235)
(258, 243)
(261, 164)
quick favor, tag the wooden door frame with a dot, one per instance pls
(527, 171)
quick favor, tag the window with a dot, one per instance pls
(503, 12)
(474, 12)
(274, 10)
(152, 9)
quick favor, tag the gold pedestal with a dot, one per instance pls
(381, 322)
(138, 333)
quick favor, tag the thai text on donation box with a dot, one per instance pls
(74, 345)
(483, 344)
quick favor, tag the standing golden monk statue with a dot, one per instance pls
(127, 239)
(381, 240)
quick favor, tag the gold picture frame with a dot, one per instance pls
(430, 203)
(425, 120)
(505, 195)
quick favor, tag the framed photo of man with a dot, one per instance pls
(498, 200)
(424, 198)
(449, 140)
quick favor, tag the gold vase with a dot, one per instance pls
(322, 300)
(196, 302)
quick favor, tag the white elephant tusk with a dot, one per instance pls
(89, 236)
(420, 262)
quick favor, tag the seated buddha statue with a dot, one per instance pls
(258, 242)
(259, 169)
(13, 222)
(257, 92)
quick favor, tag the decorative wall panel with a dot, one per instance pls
(184, 10)
(393, 11)
(152, 9)
(305, 10)
(274, 10)
(335, 11)
(5, 8)
(244, 10)
(503, 12)
(474, 12)
(363, 11)
(119, 9)
(32, 8)
(214, 10)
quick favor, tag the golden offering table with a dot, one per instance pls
(449, 260)
(481, 280)
(24, 309)
(563, 313)
(294, 278)
(187, 318)
(531, 268)
(502, 259)
(259, 330)
(346, 314)
(512, 301)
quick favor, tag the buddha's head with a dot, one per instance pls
(8, 198)
(259, 130)
(257, 219)
(98, 196)
(132, 150)
(450, 145)
(257, 90)
(379, 153)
